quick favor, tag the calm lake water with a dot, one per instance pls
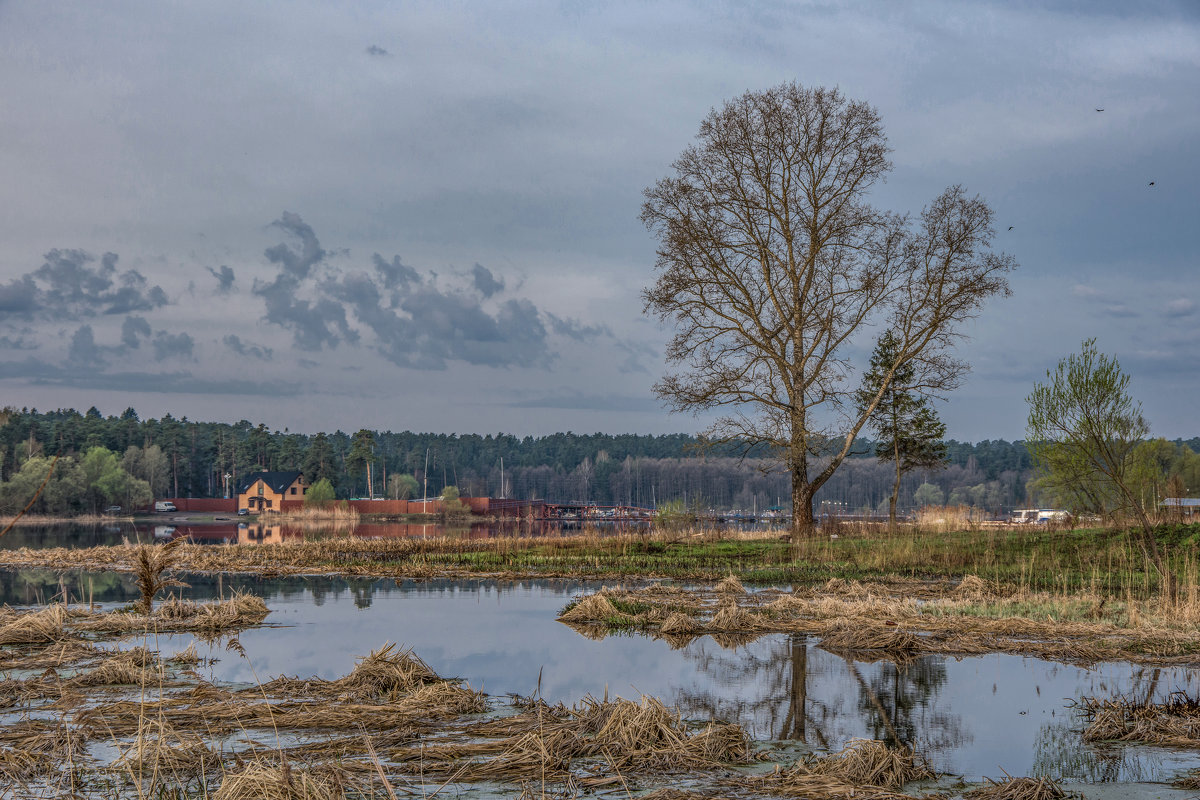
(975, 717)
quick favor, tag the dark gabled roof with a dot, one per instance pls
(278, 481)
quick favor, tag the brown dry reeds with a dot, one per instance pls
(872, 638)
(159, 748)
(731, 585)
(629, 737)
(595, 608)
(865, 768)
(972, 587)
(37, 748)
(150, 563)
(1019, 789)
(731, 618)
(386, 673)
(1175, 722)
(36, 627)
(680, 624)
(283, 782)
(1190, 780)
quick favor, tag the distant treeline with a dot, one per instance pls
(182, 458)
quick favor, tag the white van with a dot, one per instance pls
(165, 505)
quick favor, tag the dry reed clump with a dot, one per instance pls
(240, 610)
(867, 638)
(159, 748)
(669, 793)
(268, 782)
(38, 748)
(731, 618)
(787, 605)
(630, 737)
(385, 675)
(865, 768)
(1019, 789)
(1175, 722)
(1191, 780)
(680, 624)
(36, 627)
(443, 699)
(123, 668)
(972, 587)
(595, 608)
(731, 585)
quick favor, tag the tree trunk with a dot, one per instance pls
(895, 488)
(803, 522)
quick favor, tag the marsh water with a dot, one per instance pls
(974, 717)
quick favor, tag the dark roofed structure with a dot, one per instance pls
(277, 481)
(268, 491)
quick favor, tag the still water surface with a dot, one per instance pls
(975, 717)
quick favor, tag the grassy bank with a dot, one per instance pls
(1100, 561)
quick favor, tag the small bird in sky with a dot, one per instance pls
(1099, 109)
(1010, 227)
(1151, 183)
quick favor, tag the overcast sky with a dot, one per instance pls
(425, 215)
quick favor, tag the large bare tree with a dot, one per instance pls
(771, 263)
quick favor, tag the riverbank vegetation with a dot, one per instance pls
(1036, 558)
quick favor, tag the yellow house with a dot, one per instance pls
(267, 491)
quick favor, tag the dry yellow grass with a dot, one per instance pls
(1019, 789)
(865, 768)
(282, 782)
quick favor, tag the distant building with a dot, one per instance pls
(266, 491)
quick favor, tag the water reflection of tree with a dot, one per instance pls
(778, 669)
(897, 701)
(771, 682)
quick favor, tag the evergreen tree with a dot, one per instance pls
(908, 429)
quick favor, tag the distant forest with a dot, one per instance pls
(182, 458)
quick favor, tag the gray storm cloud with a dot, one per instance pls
(224, 277)
(413, 320)
(133, 330)
(485, 282)
(235, 343)
(71, 284)
(173, 346)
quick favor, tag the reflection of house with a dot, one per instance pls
(266, 491)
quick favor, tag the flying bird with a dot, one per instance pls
(1099, 109)
(1151, 183)
(1010, 227)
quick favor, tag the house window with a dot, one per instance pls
(260, 490)
(293, 490)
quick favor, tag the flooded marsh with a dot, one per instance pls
(306, 683)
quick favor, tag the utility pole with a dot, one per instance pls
(501, 477)
(425, 486)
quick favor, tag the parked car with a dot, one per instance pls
(243, 512)
(164, 505)
(113, 510)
